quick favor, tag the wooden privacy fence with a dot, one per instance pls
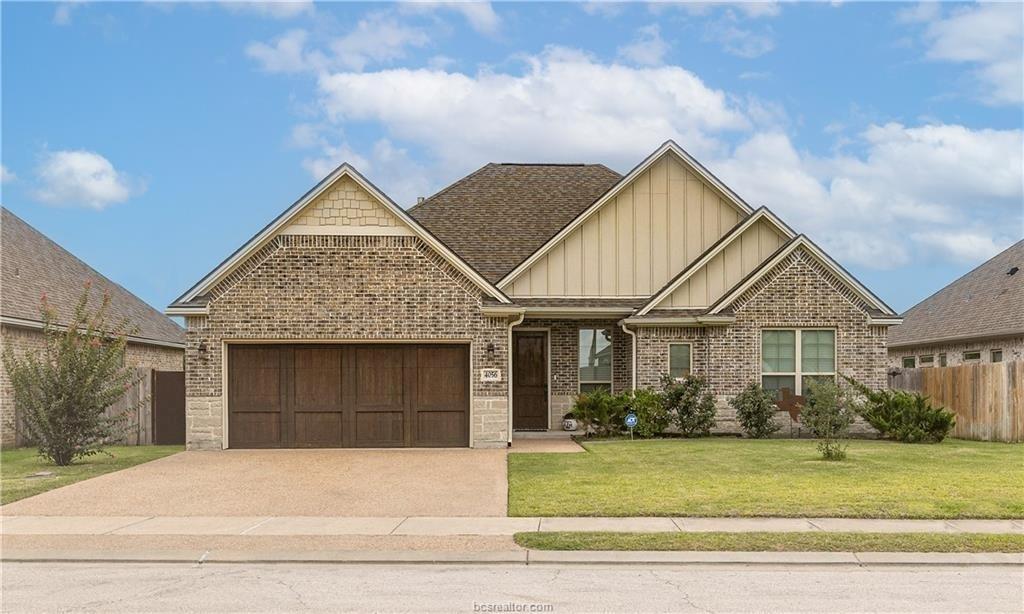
(988, 399)
(138, 429)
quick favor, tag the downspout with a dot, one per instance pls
(633, 335)
(512, 324)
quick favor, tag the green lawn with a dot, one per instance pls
(16, 465)
(776, 542)
(781, 477)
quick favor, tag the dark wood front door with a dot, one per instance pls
(530, 380)
(384, 395)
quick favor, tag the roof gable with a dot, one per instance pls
(500, 214)
(34, 265)
(985, 302)
(344, 202)
(669, 150)
(724, 264)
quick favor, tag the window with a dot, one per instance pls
(942, 360)
(595, 359)
(909, 362)
(928, 361)
(791, 359)
(996, 356)
(972, 356)
(678, 360)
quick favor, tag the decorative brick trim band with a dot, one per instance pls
(245, 268)
(801, 255)
(446, 267)
(673, 332)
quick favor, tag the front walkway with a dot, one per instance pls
(468, 526)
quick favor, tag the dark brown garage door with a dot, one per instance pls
(283, 396)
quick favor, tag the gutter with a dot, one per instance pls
(633, 335)
(512, 324)
(956, 339)
(681, 320)
(36, 325)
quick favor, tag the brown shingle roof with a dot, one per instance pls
(33, 265)
(985, 302)
(497, 216)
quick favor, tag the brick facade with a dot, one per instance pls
(344, 288)
(1012, 348)
(22, 340)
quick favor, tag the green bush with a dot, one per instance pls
(690, 404)
(755, 411)
(828, 413)
(649, 406)
(905, 416)
(599, 413)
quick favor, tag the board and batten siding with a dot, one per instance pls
(637, 241)
(738, 259)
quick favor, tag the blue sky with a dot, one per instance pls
(153, 139)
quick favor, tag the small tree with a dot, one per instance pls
(690, 404)
(828, 413)
(755, 411)
(649, 406)
(62, 391)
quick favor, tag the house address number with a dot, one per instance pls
(490, 375)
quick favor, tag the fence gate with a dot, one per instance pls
(169, 407)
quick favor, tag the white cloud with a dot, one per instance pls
(738, 41)
(6, 174)
(280, 9)
(564, 106)
(648, 49)
(79, 177)
(753, 10)
(987, 36)
(62, 14)
(480, 15)
(915, 193)
(377, 38)
(602, 8)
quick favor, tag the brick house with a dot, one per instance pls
(978, 318)
(33, 265)
(485, 308)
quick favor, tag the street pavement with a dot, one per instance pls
(153, 587)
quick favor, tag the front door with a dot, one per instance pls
(530, 380)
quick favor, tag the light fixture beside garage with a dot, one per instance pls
(490, 349)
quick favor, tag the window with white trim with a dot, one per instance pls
(972, 356)
(996, 356)
(791, 359)
(909, 362)
(679, 356)
(928, 360)
(942, 360)
(595, 352)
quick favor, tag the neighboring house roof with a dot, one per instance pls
(497, 216)
(987, 302)
(194, 300)
(33, 265)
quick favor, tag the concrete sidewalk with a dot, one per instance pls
(476, 526)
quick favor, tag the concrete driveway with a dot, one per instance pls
(407, 482)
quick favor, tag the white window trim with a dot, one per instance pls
(941, 359)
(903, 362)
(963, 356)
(929, 363)
(993, 351)
(611, 377)
(668, 359)
(798, 375)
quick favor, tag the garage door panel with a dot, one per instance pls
(256, 429)
(379, 376)
(255, 383)
(380, 429)
(318, 429)
(441, 378)
(317, 379)
(440, 428)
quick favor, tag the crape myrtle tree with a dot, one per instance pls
(63, 391)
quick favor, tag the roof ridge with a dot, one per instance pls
(448, 187)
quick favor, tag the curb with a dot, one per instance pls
(527, 557)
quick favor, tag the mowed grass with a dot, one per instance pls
(737, 477)
(17, 464)
(776, 542)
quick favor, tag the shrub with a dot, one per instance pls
(828, 413)
(755, 411)
(649, 406)
(902, 415)
(599, 413)
(690, 405)
(63, 391)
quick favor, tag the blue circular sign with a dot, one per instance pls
(630, 420)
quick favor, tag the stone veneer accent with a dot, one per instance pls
(564, 360)
(22, 340)
(1012, 347)
(798, 293)
(344, 288)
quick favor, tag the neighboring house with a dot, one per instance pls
(977, 318)
(34, 266)
(487, 307)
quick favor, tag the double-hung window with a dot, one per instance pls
(678, 360)
(595, 364)
(792, 359)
